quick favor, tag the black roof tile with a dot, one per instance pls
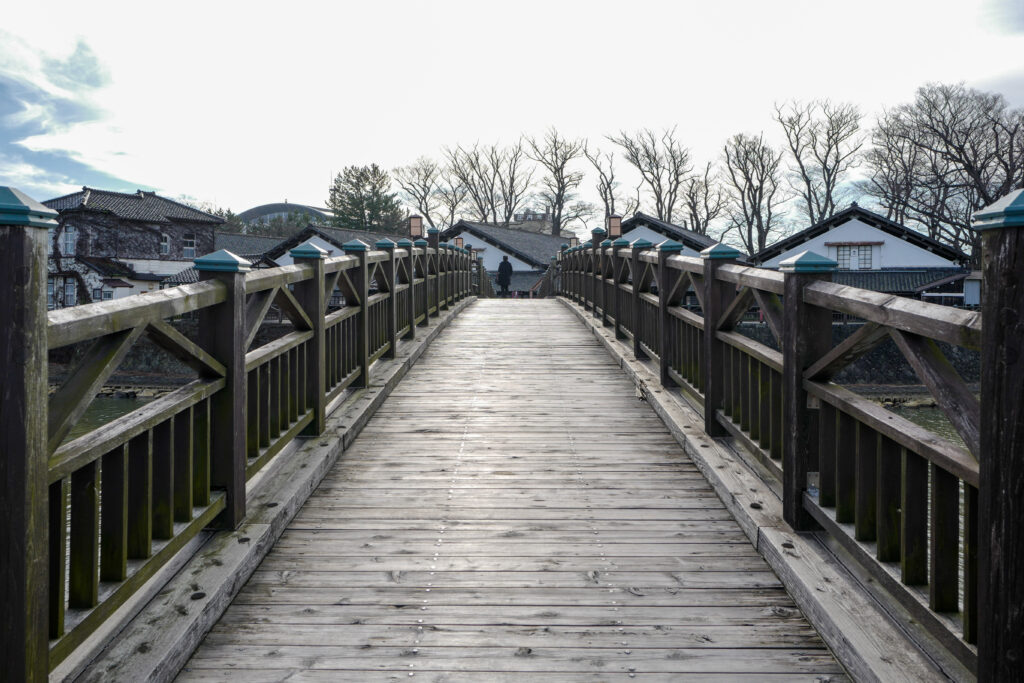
(141, 206)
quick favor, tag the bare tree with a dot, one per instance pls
(823, 141)
(419, 184)
(558, 186)
(607, 186)
(952, 151)
(513, 178)
(703, 201)
(451, 196)
(754, 177)
(496, 180)
(663, 164)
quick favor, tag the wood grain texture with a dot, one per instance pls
(478, 528)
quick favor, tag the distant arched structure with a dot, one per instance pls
(268, 212)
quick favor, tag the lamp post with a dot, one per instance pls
(614, 227)
(415, 227)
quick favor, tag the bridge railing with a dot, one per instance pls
(91, 519)
(903, 501)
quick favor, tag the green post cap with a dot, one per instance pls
(606, 243)
(808, 262)
(564, 246)
(222, 261)
(355, 245)
(432, 231)
(598, 232)
(621, 242)
(384, 243)
(443, 245)
(421, 243)
(670, 245)
(404, 243)
(587, 245)
(17, 208)
(720, 251)
(642, 244)
(1007, 212)
(307, 250)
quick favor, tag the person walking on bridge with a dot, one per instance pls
(504, 275)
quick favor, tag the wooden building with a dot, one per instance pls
(530, 253)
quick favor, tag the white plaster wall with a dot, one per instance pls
(643, 232)
(156, 266)
(491, 254)
(893, 253)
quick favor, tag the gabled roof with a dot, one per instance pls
(335, 236)
(147, 207)
(899, 281)
(107, 267)
(688, 238)
(190, 275)
(238, 243)
(870, 218)
(531, 247)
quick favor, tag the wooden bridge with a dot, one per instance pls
(611, 485)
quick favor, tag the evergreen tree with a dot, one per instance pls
(361, 199)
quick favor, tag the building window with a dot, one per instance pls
(864, 263)
(70, 290)
(843, 257)
(165, 245)
(70, 237)
(108, 294)
(97, 294)
(189, 248)
(49, 294)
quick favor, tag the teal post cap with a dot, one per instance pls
(720, 251)
(564, 246)
(1007, 212)
(384, 243)
(642, 244)
(621, 242)
(432, 231)
(17, 208)
(597, 232)
(222, 261)
(670, 245)
(308, 250)
(606, 243)
(587, 245)
(808, 262)
(355, 245)
(404, 243)
(443, 245)
(421, 243)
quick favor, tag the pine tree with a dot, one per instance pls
(361, 199)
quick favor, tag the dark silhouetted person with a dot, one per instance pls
(504, 275)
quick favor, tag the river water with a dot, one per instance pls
(101, 411)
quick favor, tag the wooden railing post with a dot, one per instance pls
(806, 337)
(666, 298)
(433, 261)
(1001, 474)
(606, 260)
(391, 305)
(618, 266)
(222, 334)
(360, 276)
(422, 245)
(444, 275)
(717, 296)
(637, 266)
(24, 608)
(409, 261)
(596, 238)
(311, 296)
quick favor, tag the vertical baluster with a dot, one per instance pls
(183, 443)
(744, 382)
(253, 415)
(83, 577)
(944, 562)
(163, 480)
(888, 516)
(265, 409)
(274, 407)
(846, 468)
(114, 522)
(778, 429)
(970, 609)
(866, 486)
(140, 496)
(827, 456)
(58, 538)
(201, 453)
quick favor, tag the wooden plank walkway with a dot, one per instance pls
(513, 513)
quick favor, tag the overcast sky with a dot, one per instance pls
(241, 104)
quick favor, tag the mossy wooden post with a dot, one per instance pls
(409, 263)
(433, 266)
(390, 268)
(607, 293)
(444, 275)
(637, 267)
(667, 297)
(717, 297)
(596, 238)
(806, 337)
(618, 272)
(1001, 477)
(24, 225)
(312, 296)
(424, 290)
(222, 334)
(360, 277)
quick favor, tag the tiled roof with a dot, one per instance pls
(902, 281)
(688, 238)
(335, 236)
(190, 275)
(108, 267)
(141, 206)
(237, 243)
(534, 248)
(871, 218)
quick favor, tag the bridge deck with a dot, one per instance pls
(480, 529)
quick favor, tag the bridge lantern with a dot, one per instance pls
(574, 241)
(415, 227)
(459, 242)
(614, 227)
